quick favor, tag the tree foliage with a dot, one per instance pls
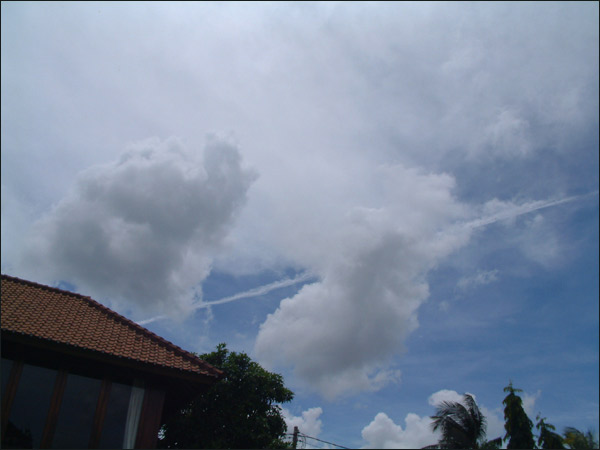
(240, 411)
(548, 438)
(462, 425)
(580, 440)
(516, 423)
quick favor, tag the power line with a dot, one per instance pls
(320, 440)
(302, 439)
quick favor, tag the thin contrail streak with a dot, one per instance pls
(508, 213)
(518, 210)
(261, 290)
(255, 292)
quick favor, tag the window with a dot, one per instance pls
(67, 410)
(113, 429)
(26, 423)
(133, 414)
(76, 415)
(6, 366)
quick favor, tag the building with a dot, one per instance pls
(76, 374)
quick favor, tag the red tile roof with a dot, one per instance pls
(56, 315)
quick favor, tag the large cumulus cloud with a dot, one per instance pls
(143, 229)
(341, 332)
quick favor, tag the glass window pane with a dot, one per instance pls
(30, 407)
(6, 366)
(76, 416)
(113, 429)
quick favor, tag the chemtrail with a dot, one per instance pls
(255, 292)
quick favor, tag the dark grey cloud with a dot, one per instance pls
(143, 228)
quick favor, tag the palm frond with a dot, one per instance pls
(462, 425)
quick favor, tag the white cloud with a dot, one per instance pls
(334, 103)
(341, 332)
(529, 403)
(540, 242)
(444, 395)
(16, 216)
(371, 245)
(254, 292)
(142, 230)
(382, 432)
(481, 278)
(508, 133)
(494, 417)
(506, 212)
(495, 422)
(308, 422)
(526, 230)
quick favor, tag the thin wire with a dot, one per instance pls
(302, 441)
(326, 442)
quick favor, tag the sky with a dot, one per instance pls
(390, 204)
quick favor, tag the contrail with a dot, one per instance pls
(254, 292)
(508, 213)
(519, 210)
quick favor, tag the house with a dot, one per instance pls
(76, 374)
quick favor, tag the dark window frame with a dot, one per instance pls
(56, 401)
(11, 391)
(100, 413)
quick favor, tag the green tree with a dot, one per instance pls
(548, 438)
(462, 425)
(240, 411)
(579, 440)
(516, 423)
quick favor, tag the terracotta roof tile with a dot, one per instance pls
(56, 315)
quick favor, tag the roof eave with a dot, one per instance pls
(110, 359)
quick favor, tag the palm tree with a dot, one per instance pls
(548, 438)
(516, 423)
(462, 425)
(580, 440)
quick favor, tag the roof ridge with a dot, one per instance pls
(43, 286)
(124, 320)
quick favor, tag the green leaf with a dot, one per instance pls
(239, 411)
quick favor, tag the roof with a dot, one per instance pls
(64, 317)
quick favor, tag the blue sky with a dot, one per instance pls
(391, 204)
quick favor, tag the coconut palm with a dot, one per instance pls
(578, 439)
(548, 438)
(462, 425)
